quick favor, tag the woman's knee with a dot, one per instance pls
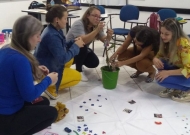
(92, 64)
(45, 100)
(53, 113)
(84, 49)
(144, 64)
(96, 63)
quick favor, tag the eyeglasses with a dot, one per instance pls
(96, 16)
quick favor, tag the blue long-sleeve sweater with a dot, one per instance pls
(16, 81)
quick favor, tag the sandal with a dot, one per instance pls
(135, 75)
(149, 79)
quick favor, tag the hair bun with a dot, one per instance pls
(48, 7)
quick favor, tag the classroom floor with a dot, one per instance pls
(103, 112)
(110, 112)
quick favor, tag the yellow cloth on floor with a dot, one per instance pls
(70, 78)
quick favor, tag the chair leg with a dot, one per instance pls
(104, 51)
(70, 92)
(93, 46)
(124, 37)
(114, 42)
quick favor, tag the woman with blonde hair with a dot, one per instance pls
(22, 110)
(173, 62)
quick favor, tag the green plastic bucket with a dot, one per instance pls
(109, 78)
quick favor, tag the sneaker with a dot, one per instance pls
(83, 77)
(53, 95)
(168, 93)
(183, 96)
(82, 68)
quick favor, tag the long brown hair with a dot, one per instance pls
(85, 20)
(24, 28)
(173, 26)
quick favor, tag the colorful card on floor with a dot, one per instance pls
(132, 102)
(80, 118)
(127, 110)
(37, 100)
(50, 133)
(158, 115)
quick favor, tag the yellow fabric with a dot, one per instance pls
(70, 78)
(182, 58)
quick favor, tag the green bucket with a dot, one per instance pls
(109, 78)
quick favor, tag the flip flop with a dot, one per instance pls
(135, 75)
(149, 79)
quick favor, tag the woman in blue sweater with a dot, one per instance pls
(57, 54)
(22, 110)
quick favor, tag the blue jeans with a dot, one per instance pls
(179, 82)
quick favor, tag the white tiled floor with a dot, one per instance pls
(110, 117)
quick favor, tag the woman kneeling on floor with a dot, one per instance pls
(173, 62)
(146, 44)
(57, 54)
(22, 110)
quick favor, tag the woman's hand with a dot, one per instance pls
(100, 26)
(79, 42)
(158, 63)
(109, 34)
(44, 69)
(162, 75)
(118, 64)
(54, 77)
(113, 57)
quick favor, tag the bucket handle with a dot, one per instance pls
(107, 76)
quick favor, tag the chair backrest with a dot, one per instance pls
(101, 8)
(166, 13)
(8, 30)
(129, 12)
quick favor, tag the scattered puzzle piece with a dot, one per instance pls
(84, 102)
(158, 123)
(99, 95)
(90, 131)
(80, 106)
(92, 104)
(86, 129)
(97, 100)
(67, 130)
(89, 99)
(85, 125)
(86, 109)
(103, 132)
(100, 105)
(84, 133)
